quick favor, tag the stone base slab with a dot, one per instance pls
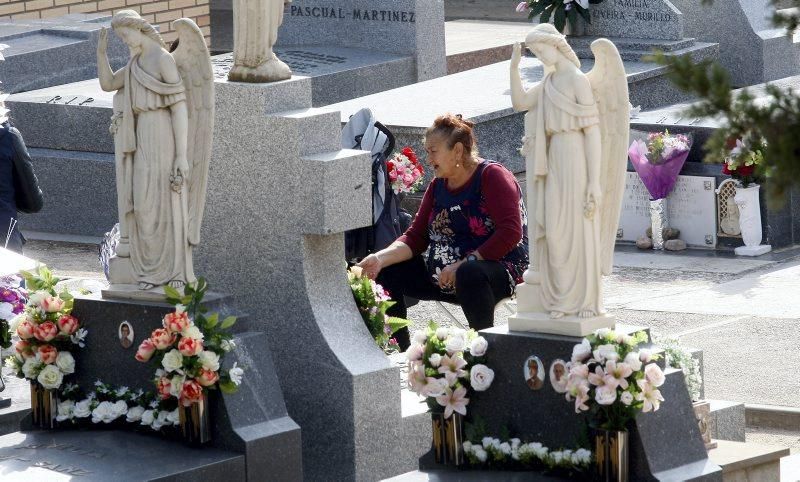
(753, 250)
(567, 326)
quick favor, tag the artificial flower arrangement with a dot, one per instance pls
(513, 454)
(189, 349)
(373, 301)
(444, 364)
(47, 332)
(659, 160)
(107, 404)
(405, 171)
(741, 160)
(560, 11)
(612, 379)
(12, 302)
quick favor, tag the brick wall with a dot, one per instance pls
(160, 13)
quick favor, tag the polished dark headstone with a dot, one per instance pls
(668, 439)
(252, 432)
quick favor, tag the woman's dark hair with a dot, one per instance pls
(454, 129)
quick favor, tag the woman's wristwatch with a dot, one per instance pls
(472, 257)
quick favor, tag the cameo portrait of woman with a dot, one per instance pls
(534, 373)
(125, 334)
(558, 376)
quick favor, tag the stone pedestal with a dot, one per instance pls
(665, 445)
(753, 250)
(282, 192)
(531, 317)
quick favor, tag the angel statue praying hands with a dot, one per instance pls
(576, 135)
(162, 123)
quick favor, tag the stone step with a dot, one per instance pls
(742, 461)
(474, 43)
(726, 420)
(584, 42)
(697, 50)
(772, 416)
(339, 180)
(323, 123)
(790, 468)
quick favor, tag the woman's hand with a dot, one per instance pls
(371, 266)
(594, 196)
(447, 277)
(516, 55)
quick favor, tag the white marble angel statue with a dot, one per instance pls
(576, 136)
(162, 123)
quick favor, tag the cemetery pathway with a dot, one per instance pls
(743, 313)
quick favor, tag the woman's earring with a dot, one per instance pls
(458, 165)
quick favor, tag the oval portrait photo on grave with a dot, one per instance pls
(125, 334)
(559, 376)
(534, 372)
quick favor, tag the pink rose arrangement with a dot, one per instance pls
(614, 379)
(47, 332)
(445, 364)
(405, 171)
(189, 349)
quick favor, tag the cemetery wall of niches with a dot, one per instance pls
(158, 13)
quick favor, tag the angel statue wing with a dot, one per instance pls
(194, 64)
(610, 87)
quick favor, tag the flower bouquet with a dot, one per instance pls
(107, 405)
(658, 163)
(613, 380)
(741, 161)
(12, 302)
(560, 11)
(443, 366)
(405, 171)
(516, 455)
(47, 331)
(373, 301)
(189, 350)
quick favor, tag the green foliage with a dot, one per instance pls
(373, 301)
(772, 124)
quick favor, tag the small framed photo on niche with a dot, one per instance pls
(125, 334)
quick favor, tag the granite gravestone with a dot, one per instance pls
(640, 19)
(751, 48)
(53, 51)
(282, 192)
(691, 208)
(355, 47)
(252, 435)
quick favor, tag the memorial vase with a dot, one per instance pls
(749, 214)
(611, 455)
(195, 422)
(44, 406)
(448, 438)
(659, 220)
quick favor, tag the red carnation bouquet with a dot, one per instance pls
(405, 171)
(741, 161)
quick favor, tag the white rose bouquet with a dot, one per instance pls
(610, 377)
(47, 332)
(444, 364)
(189, 349)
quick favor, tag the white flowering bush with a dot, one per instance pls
(514, 454)
(677, 356)
(444, 364)
(613, 379)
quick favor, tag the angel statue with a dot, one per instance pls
(576, 136)
(162, 123)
